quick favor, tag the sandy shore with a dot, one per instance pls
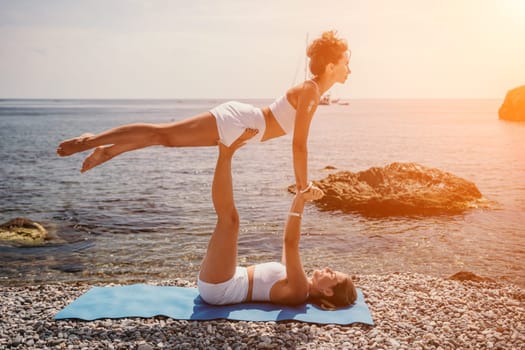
(411, 311)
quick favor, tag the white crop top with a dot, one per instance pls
(264, 277)
(284, 112)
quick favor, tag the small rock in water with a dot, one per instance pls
(71, 268)
(23, 231)
(469, 276)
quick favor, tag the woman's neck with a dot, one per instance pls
(323, 82)
(310, 287)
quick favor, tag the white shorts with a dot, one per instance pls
(233, 291)
(235, 117)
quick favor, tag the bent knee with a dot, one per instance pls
(165, 138)
(229, 220)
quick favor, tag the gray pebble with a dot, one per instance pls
(145, 347)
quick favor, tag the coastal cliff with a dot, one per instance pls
(513, 107)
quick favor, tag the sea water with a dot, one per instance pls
(148, 214)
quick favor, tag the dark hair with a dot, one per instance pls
(324, 50)
(344, 294)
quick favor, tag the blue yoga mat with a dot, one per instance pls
(142, 300)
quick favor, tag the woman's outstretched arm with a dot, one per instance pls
(306, 105)
(295, 290)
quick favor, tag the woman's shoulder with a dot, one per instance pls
(285, 293)
(307, 89)
(306, 86)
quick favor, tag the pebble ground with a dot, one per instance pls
(410, 311)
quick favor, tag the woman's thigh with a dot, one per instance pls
(200, 130)
(220, 261)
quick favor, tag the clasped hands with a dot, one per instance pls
(311, 192)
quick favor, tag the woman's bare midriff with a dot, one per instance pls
(250, 270)
(273, 129)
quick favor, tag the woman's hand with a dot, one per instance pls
(311, 192)
(314, 193)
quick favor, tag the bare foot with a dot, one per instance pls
(74, 145)
(238, 143)
(97, 157)
(241, 140)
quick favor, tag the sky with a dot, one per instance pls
(256, 49)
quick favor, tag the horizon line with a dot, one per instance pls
(241, 98)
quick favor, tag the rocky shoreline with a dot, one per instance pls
(411, 311)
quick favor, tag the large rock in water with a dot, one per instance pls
(23, 231)
(397, 189)
(513, 108)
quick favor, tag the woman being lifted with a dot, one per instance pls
(291, 113)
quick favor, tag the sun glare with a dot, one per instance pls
(516, 8)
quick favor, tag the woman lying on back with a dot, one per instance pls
(221, 281)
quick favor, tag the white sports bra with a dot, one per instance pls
(284, 112)
(264, 277)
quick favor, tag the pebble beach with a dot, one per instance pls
(410, 311)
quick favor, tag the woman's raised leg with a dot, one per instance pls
(220, 261)
(102, 154)
(200, 130)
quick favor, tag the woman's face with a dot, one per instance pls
(326, 279)
(341, 69)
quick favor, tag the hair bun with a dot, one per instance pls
(326, 49)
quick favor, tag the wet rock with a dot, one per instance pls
(69, 267)
(23, 231)
(469, 276)
(513, 107)
(397, 189)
